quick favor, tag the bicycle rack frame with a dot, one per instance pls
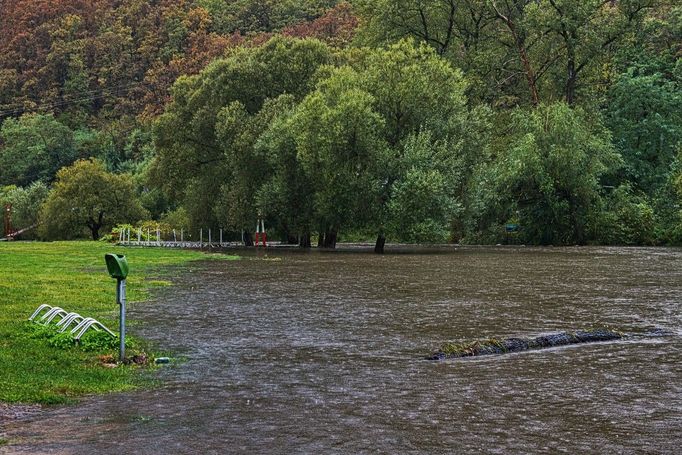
(40, 308)
(83, 324)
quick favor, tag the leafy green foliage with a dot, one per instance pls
(625, 219)
(86, 195)
(35, 147)
(26, 203)
(645, 115)
(548, 176)
(392, 117)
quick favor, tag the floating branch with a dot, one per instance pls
(503, 346)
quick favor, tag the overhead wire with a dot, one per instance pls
(95, 94)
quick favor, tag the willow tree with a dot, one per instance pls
(546, 175)
(351, 132)
(195, 156)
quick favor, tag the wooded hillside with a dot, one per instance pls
(559, 121)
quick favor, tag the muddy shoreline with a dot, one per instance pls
(12, 412)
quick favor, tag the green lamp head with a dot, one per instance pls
(117, 265)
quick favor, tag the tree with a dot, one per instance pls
(586, 31)
(35, 147)
(214, 119)
(546, 175)
(26, 203)
(85, 195)
(418, 94)
(645, 115)
(426, 198)
(340, 146)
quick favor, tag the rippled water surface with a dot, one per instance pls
(322, 353)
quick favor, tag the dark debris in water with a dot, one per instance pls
(506, 345)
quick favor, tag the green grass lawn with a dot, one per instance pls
(71, 275)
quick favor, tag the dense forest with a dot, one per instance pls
(402, 120)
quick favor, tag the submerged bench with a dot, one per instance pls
(494, 346)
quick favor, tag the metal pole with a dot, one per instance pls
(121, 300)
(221, 237)
(201, 237)
(148, 238)
(182, 235)
(139, 236)
(209, 238)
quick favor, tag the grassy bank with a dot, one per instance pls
(71, 275)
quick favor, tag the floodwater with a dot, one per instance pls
(322, 353)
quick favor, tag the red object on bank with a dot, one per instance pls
(260, 233)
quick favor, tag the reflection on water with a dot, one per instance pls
(322, 352)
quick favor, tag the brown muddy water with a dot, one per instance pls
(322, 353)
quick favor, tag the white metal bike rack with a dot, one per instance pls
(59, 312)
(83, 324)
(68, 320)
(40, 308)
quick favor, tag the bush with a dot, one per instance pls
(626, 219)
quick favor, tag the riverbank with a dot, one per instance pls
(71, 275)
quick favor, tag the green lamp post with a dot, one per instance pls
(117, 265)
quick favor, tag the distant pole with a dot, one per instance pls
(182, 235)
(139, 235)
(221, 237)
(8, 220)
(209, 238)
(148, 237)
(175, 238)
(201, 237)
(158, 235)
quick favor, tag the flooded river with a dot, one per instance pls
(322, 353)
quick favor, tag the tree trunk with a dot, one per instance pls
(94, 229)
(379, 245)
(330, 238)
(95, 225)
(519, 41)
(571, 77)
(320, 240)
(248, 240)
(304, 240)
